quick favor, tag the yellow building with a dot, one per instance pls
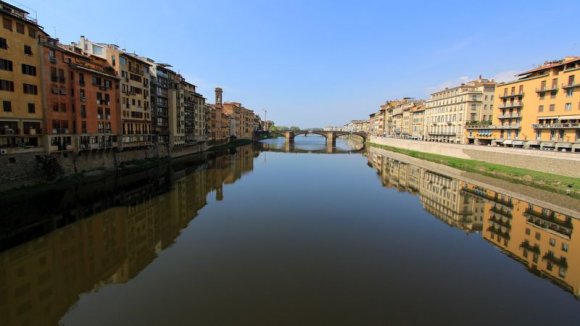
(541, 109)
(20, 82)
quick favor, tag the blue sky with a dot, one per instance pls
(317, 63)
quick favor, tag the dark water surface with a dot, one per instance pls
(291, 235)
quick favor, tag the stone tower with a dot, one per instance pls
(218, 96)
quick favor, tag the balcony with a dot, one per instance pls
(559, 261)
(500, 211)
(508, 126)
(527, 246)
(542, 90)
(549, 221)
(512, 95)
(518, 104)
(556, 126)
(52, 60)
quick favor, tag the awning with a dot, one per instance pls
(548, 144)
(518, 143)
(564, 145)
(570, 117)
(548, 118)
(508, 142)
(533, 142)
(499, 140)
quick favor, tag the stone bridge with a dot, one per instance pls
(330, 136)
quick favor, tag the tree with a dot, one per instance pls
(295, 128)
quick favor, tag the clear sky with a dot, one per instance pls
(314, 63)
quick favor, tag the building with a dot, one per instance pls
(160, 93)
(357, 126)
(22, 113)
(448, 111)
(81, 99)
(417, 122)
(541, 109)
(245, 119)
(135, 105)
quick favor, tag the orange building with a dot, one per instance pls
(541, 109)
(80, 97)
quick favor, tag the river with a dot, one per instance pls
(281, 234)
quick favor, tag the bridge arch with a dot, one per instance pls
(329, 135)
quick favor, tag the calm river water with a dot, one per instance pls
(288, 235)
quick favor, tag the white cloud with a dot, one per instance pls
(505, 76)
(500, 77)
(448, 84)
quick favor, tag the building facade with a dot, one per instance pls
(448, 111)
(22, 113)
(134, 74)
(81, 100)
(541, 109)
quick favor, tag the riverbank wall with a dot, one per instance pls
(566, 164)
(31, 169)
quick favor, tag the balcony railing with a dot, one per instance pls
(511, 105)
(545, 89)
(572, 85)
(441, 133)
(512, 95)
(557, 126)
(510, 126)
(509, 116)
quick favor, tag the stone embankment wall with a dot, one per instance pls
(567, 164)
(34, 168)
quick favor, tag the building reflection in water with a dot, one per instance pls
(136, 217)
(541, 239)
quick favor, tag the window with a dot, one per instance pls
(564, 247)
(538, 236)
(7, 105)
(568, 107)
(3, 43)
(30, 89)
(7, 23)
(5, 65)
(31, 32)
(552, 242)
(552, 107)
(31, 108)
(20, 28)
(27, 50)
(570, 92)
(6, 85)
(55, 107)
(541, 108)
(28, 70)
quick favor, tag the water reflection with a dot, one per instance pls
(540, 238)
(108, 232)
(128, 226)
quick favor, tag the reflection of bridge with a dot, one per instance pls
(288, 147)
(330, 136)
